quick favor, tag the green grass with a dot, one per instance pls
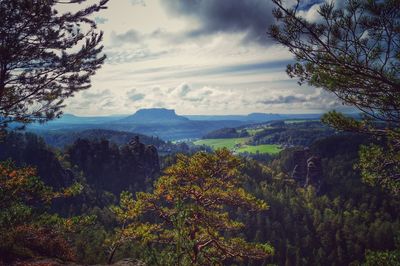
(221, 143)
(264, 148)
(238, 145)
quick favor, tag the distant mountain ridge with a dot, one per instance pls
(155, 115)
(161, 115)
(253, 117)
(73, 119)
(161, 122)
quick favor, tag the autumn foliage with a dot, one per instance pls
(26, 230)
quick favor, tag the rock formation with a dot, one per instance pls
(307, 168)
(146, 155)
(314, 172)
(299, 172)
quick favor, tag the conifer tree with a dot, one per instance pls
(45, 56)
(353, 52)
(191, 207)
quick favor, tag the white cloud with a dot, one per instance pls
(148, 49)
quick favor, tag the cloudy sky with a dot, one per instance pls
(197, 57)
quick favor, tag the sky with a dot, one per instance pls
(209, 57)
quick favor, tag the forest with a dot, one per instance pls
(106, 193)
(335, 219)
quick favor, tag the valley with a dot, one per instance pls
(239, 146)
(166, 132)
(165, 125)
(266, 138)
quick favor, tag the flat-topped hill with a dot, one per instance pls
(155, 115)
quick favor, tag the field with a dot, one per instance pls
(221, 143)
(238, 145)
(264, 148)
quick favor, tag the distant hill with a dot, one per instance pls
(161, 122)
(264, 117)
(217, 117)
(60, 138)
(73, 119)
(226, 133)
(253, 117)
(154, 115)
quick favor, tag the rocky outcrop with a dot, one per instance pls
(299, 172)
(314, 172)
(146, 155)
(307, 168)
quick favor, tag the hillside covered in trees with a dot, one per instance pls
(90, 191)
(324, 215)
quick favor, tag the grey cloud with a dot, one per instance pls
(319, 100)
(100, 20)
(133, 35)
(253, 17)
(95, 95)
(186, 93)
(129, 36)
(261, 67)
(194, 99)
(123, 56)
(137, 97)
(285, 99)
(159, 104)
(108, 103)
(156, 89)
(81, 105)
(161, 33)
(183, 89)
(206, 93)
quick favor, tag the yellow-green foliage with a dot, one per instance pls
(27, 231)
(190, 212)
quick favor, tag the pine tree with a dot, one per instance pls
(354, 53)
(45, 57)
(192, 202)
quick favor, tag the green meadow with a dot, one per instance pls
(230, 144)
(264, 148)
(239, 145)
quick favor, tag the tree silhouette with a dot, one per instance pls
(353, 52)
(45, 57)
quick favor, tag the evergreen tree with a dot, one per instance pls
(191, 203)
(45, 57)
(353, 52)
